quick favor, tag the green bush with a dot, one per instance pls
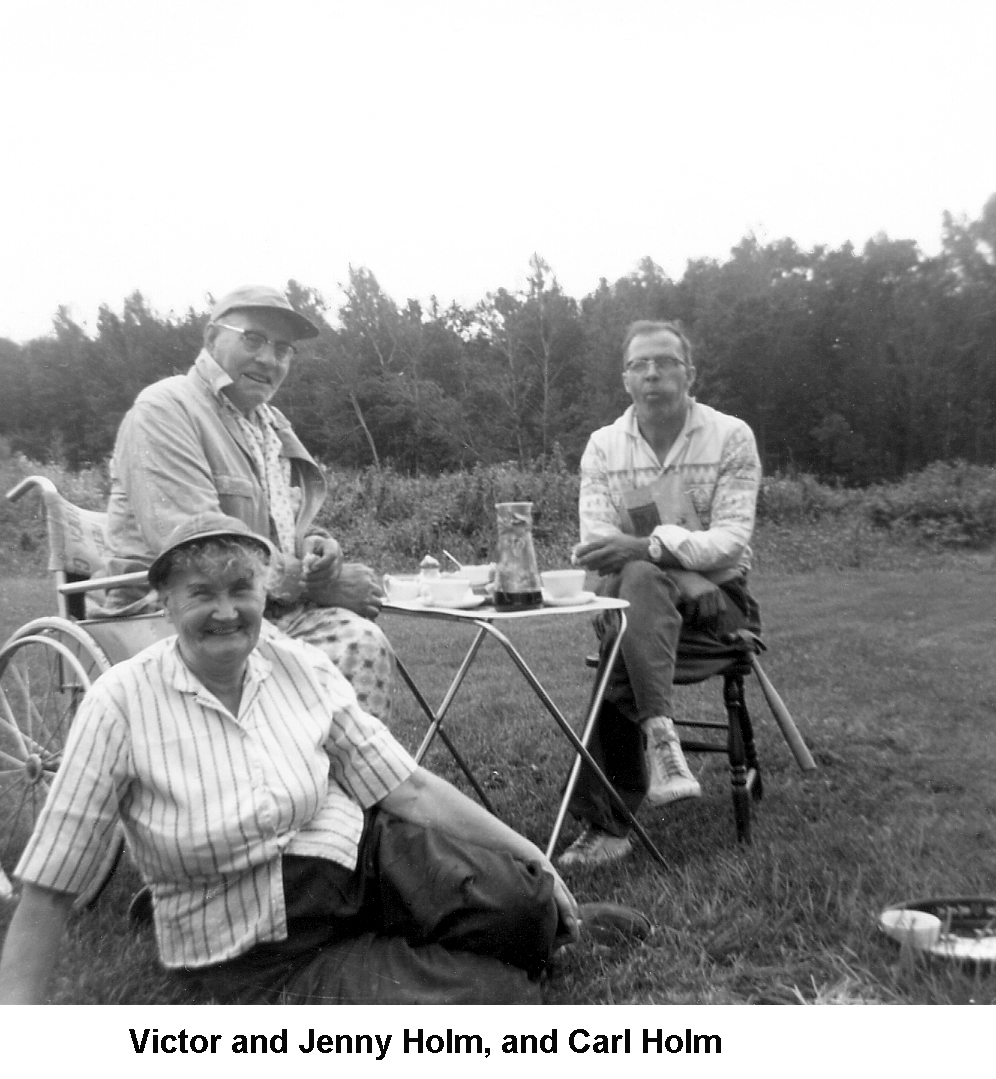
(948, 505)
(394, 519)
(788, 500)
(391, 521)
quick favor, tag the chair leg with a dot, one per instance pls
(754, 783)
(733, 699)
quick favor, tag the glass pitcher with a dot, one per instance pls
(518, 580)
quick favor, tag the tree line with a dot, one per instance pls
(855, 366)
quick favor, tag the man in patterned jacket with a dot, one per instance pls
(667, 503)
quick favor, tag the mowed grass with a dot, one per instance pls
(889, 677)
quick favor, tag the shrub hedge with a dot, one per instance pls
(391, 521)
(952, 505)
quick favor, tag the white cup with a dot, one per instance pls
(448, 589)
(914, 927)
(563, 583)
(479, 576)
(402, 589)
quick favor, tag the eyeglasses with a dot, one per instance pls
(662, 363)
(254, 341)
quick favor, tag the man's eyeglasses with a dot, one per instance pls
(663, 363)
(254, 341)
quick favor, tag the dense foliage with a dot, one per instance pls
(855, 366)
(390, 520)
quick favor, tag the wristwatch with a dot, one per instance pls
(655, 549)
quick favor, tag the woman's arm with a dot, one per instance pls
(32, 945)
(424, 798)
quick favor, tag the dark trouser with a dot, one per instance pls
(640, 684)
(424, 919)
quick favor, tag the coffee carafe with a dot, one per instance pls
(518, 580)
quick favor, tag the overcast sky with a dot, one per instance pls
(185, 148)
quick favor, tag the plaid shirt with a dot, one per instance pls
(209, 801)
(720, 469)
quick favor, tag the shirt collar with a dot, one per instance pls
(694, 418)
(183, 679)
(217, 379)
(212, 372)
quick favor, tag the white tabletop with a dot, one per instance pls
(487, 613)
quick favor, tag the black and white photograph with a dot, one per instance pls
(498, 509)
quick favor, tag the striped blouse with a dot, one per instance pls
(717, 459)
(209, 802)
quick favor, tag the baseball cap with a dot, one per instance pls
(203, 526)
(249, 296)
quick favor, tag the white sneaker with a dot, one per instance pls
(593, 847)
(671, 779)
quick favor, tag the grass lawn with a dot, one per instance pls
(889, 677)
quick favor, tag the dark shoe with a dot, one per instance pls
(593, 847)
(612, 923)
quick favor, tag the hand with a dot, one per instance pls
(322, 561)
(568, 926)
(357, 588)
(703, 598)
(610, 553)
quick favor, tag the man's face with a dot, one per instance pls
(655, 374)
(255, 377)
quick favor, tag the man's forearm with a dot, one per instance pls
(32, 945)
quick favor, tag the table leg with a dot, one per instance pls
(576, 742)
(589, 726)
(436, 719)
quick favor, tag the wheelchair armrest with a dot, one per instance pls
(99, 584)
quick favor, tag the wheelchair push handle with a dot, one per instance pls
(43, 483)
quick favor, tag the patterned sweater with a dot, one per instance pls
(717, 459)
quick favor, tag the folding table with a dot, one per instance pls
(484, 619)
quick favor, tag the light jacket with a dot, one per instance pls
(179, 452)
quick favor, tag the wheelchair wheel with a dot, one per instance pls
(45, 669)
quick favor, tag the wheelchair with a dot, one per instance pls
(47, 666)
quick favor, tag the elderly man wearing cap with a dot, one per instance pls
(210, 440)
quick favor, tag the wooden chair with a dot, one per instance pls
(735, 659)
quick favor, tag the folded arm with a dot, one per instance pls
(730, 513)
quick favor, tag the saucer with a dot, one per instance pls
(568, 601)
(465, 604)
(968, 927)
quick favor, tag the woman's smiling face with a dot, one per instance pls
(216, 605)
